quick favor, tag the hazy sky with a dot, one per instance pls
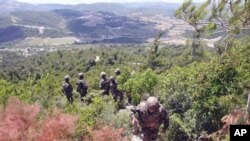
(94, 1)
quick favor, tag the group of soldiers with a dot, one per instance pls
(111, 85)
(106, 86)
(82, 87)
(146, 118)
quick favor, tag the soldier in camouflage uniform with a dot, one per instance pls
(67, 89)
(82, 86)
(149, 116)
(104, 84)
(122, 92)
(114, 90)
(118, 74)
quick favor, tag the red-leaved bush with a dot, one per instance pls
(107, 133)
(58, 127)
(18, 122)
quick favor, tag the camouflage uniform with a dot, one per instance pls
(104, 84)
(114, 90)
(150, 122)
(67, 89)
(82, 87)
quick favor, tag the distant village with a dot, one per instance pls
(28, 51)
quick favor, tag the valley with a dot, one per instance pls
(89, 24)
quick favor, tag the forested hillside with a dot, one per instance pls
(89, 23)
(197, 85)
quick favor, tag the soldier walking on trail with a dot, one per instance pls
(104, 84)
(82, 87)
(67, 89)
(117, 75)
(148, 116)
(114, 90)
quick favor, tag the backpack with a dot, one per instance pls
(81, 87)
(67, 88)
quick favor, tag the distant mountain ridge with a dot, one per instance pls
(91, 23)
(123, 8)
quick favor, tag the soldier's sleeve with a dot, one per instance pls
(100, 84)
(132, 111)
(71, 88)
(165, 119)
(62, 88)
(86, 85)
(77, 86)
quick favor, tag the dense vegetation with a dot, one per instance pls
(197, 85)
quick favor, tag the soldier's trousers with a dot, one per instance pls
(118, 95)
(149, 134)
(69, 97)
(82, 95)
(104, 92)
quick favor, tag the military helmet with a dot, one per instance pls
(112, 78)
(80, 75)
(103, 74)
(152, 104)
(118, 71)
(66, 78)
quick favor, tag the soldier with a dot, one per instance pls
(67, 89)
(118, 77)
(82, 87)
(114, 90)
(149, 116)
(104, 84)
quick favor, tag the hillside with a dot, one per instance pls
(90, 23)
(200, 89)
(188, 86)
(87, 26)
(102, 26)
(23, 24)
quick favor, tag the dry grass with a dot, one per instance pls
(34, 41)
